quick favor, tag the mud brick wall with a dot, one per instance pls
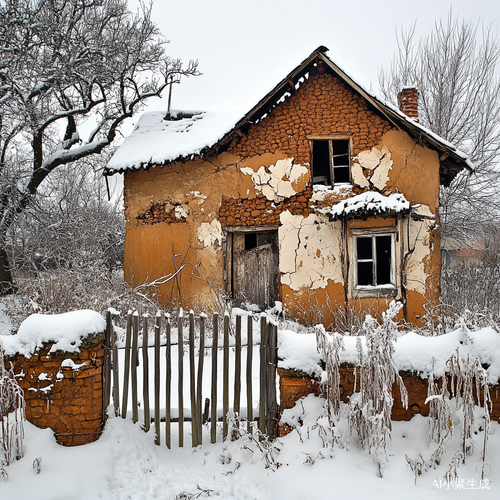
(162, 212)
(67, 399)
(295, 385)
(260, 210)
(323, 107)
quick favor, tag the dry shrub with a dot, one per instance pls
(12, 416)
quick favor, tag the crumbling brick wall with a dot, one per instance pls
(295, 385)
(64, 390)
(323, 106)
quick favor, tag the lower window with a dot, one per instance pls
(374, 261)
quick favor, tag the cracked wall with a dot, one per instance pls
(178, 213)
(282, 180)
(309, 251)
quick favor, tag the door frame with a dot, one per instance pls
(228, 254)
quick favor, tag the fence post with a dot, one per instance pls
(213, 395)
(168, 383)
(126, 371)
(157, 378)
(133, 367)
(145, 373)
(249, 372)
(237, 367)
(192, 380)
(263, 375)
(272, 359)
(225, 378)
(107, 365)
(199, 384)
(180, 354)
(115, 367)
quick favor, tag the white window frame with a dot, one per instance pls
(375, 290)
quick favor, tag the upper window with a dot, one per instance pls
(375, 261)
(331, 161)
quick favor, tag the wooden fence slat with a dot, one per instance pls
(168, 383)
(213, 394)
(115, 368)
(192, 380)
(225, 378)
(107, 364)
(180, 350)
(263, 375)
(249, 372)
(199, 384)
(157, 378)
(271, 405)
(145, 373)
(237, 367)
(126, 371)
(133, 367)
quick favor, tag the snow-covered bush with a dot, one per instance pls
(12, 407)
(370, 409)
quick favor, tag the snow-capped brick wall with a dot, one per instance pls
(62, 379)
(301, 366)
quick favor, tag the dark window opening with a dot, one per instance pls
(321, 163)
(331, 161)
(374, 260)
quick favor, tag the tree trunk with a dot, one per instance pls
(6, 282)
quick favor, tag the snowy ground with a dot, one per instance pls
(125, 464)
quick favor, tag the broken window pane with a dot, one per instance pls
(331, 161)
(383, 245)
(364, 248)
(365, 273)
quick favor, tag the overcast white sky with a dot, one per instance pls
(245, 47)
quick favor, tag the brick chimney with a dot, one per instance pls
(408, 102)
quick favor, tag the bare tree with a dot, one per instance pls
(455, 71)
(63, 64)
(70, 225)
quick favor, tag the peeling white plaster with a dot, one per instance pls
(422, 210)
(277, 181)
(378, 162)
(358, 177)
(309, 251)
(181, 212)
(419, 238)
(197, 195)
(209, 233)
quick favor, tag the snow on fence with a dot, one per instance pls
(172, 376)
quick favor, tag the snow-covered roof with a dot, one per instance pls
(159, 141)
(66, 332)
(369, 203)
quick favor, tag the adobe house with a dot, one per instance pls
(321, 196)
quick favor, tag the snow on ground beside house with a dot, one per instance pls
(64, 330)
(126, 464)
(413, 352)
(155, 140)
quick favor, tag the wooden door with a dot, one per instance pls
(255, 267)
